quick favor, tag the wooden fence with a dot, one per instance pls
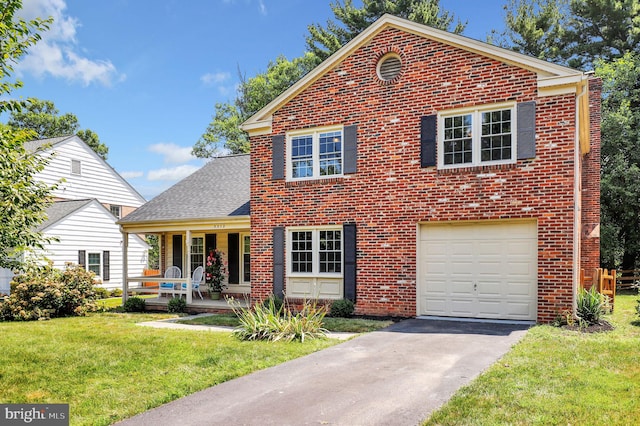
(628, 279)
(604, 281)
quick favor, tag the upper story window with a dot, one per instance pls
(76, 167)
(477, 137)
(315, 153)
(116, 211)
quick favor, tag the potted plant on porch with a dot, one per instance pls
(214, 273)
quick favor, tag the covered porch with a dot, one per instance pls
(185, 246)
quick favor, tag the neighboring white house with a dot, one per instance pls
(88, 203)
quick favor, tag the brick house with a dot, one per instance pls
(419, 172)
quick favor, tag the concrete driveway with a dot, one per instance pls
(396, 376)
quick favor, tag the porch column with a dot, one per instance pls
(188, 267)
(125, 265)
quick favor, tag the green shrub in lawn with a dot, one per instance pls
(177, 305)
(342, 308)
(265, 321)
(591, 306)
(101, 292)
(116, 292)
(43, 292)
(134, 304)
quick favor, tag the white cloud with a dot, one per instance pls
(172, 174)
(173, 154)
(57, 52)
(263, 8)
(210, 79)
(131, 174)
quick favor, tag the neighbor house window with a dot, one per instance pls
(315, 251)
(94, 263)
(116, 211)
(477, 137)
(314, 153)
(76, 167)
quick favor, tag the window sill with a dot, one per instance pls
(476, 169)
(310, 182)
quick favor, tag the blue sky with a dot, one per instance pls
(145, 74)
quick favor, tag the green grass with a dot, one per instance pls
(348, 325)
(556, 376)
(107, 368)
(114, 302)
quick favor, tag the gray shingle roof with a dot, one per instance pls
(219, 189)
(61, 209)
(33, 146)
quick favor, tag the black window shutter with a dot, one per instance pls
(234, 258)
(278, 262)
(526, 130)
(350, 149)
(428, 140)
(277, 149)
(350, 255)
(105, 266)
(82, 258)
(210, 242)
(177, 252)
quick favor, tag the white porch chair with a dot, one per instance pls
(196, 280)
(169, 287)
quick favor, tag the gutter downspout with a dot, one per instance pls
(577, 188)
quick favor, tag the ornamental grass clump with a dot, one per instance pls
(268, 321)
(591, 306)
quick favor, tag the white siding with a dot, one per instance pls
(97, 179)
(5, 280)
(94, 230)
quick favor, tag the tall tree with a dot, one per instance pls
(572, 32)
(604, 34)
(16, 36)
(45, 120)
(324, 41)
(23, 200)
(620, 184)
(223, 132)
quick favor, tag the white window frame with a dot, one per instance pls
(315, 135)
(99, 264)
(476, 131)
(242, 253)
(193, 263)
(116, 210)
(315, 238)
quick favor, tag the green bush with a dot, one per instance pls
(277, 302)
(101, 293)
(268, 322)
(177, 305)
(116, 292)
(591, 306)
(43, 292)
(342, 308)
(134, 304)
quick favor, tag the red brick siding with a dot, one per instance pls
(590, 244)
(390, 194)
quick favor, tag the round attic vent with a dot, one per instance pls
(389, 67)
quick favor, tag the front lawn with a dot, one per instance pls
(108, 369)
(348, 325)
(556, 376)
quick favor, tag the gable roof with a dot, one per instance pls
(220, 189)
(552, 78)
(62, 209)
(51, 143)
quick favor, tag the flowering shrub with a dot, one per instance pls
(214, 270)
(45, 292)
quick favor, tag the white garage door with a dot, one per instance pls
(478, 270)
